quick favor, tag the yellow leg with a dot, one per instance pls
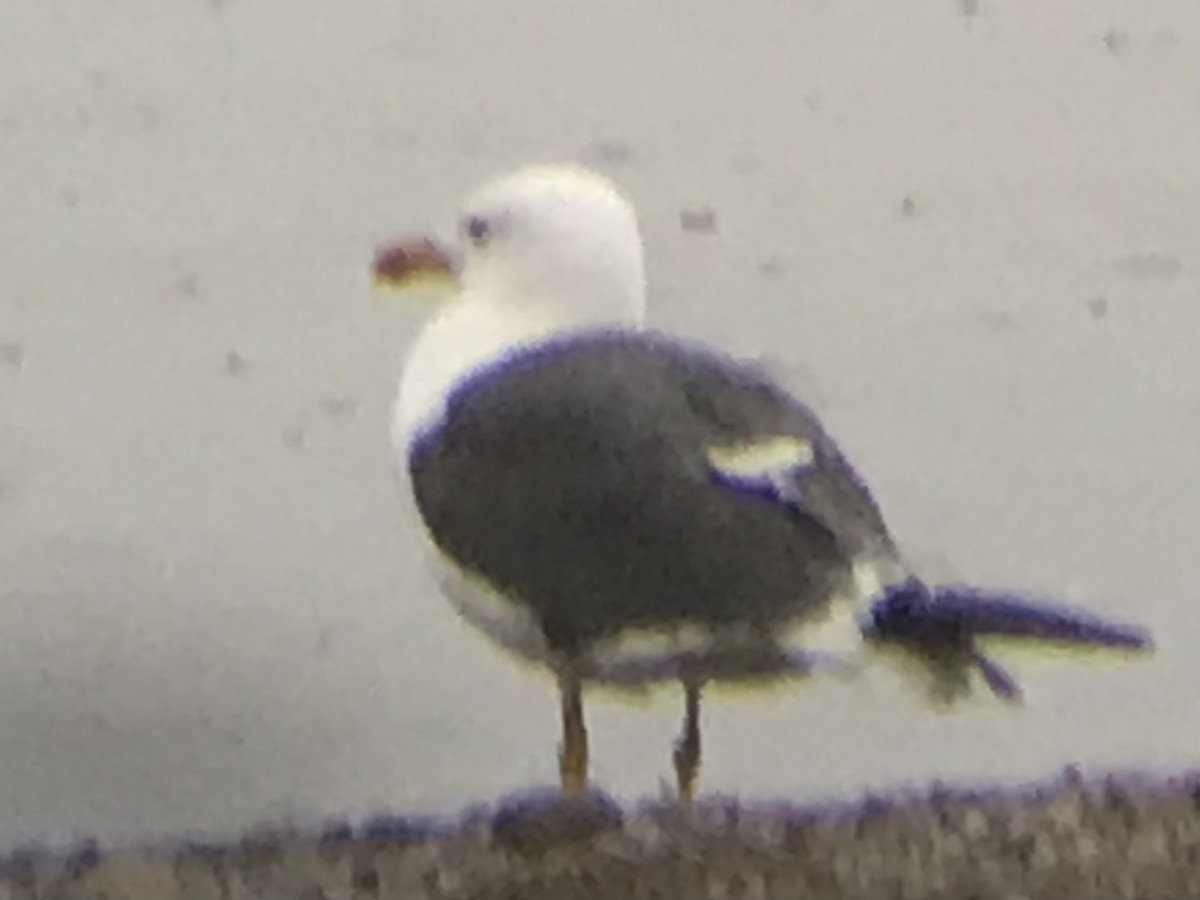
(573, 754)
(687, 748)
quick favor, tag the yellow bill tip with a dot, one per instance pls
(413, 262)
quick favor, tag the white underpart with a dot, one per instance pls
(637, 658)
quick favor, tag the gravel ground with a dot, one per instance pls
(1095, 838)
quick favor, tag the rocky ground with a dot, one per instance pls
(1073, 837)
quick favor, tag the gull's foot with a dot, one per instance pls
(542, 818)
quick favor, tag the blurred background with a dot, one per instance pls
(967, 230)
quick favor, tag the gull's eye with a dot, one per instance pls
(478, 229)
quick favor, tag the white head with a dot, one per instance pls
(560, 242)
(556, 240)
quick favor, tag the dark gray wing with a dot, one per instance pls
(579, 477)
(758, 418)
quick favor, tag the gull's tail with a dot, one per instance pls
(940, 629)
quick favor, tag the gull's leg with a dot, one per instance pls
(573, 754)
(687, 748)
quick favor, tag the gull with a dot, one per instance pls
(625, 507)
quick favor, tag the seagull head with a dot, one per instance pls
(559, 241)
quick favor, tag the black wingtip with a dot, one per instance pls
(939, 627)
(995, 614)
(998, 680)
(911, 609)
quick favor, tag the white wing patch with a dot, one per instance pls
(761, 462)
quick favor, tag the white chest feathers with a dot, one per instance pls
(465, 337)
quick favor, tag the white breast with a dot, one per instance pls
(463, 338)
